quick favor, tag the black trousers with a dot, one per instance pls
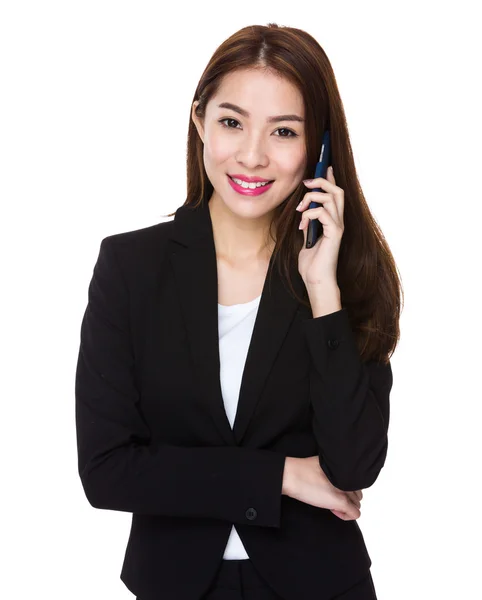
(238, 580)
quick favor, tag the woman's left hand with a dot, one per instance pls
(319, 263)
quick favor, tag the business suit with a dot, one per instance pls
(154, 439)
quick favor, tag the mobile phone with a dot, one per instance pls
(315, 228)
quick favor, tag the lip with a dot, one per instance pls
(249, 179)
(248, 192)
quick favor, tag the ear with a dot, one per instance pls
(197, 121)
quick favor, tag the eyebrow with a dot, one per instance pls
(245, 113)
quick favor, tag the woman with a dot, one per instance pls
(232, 386)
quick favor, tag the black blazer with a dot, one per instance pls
(154, 439)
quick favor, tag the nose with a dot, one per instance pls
(252, 152)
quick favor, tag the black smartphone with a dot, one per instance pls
(315, 228)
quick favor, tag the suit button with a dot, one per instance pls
(251, 514)
(333, 344)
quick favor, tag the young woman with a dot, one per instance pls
(232, 386)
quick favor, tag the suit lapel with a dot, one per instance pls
(193, 257)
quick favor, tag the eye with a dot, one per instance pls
(293, 134)
(228, 119)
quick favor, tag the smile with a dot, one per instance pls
(249, 189)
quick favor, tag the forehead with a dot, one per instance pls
(259, 92)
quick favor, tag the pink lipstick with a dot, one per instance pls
(247, 191)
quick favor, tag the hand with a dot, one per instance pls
(319, 263)
(307, 482)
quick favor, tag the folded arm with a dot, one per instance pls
(119, 467)
(350, 402)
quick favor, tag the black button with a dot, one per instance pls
(251, 514)
(333, 344)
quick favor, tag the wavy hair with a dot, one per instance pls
(367, 275)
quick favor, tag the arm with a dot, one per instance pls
(350, 402)
(118, 467)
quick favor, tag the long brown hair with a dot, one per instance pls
(367, 275)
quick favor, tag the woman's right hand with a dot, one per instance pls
(305, 480)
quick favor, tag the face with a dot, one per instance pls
(249, 144)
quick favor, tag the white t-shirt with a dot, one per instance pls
(235, 324)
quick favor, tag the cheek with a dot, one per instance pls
(299, 162)
(293, 164)
(217, 148)
(290, 157)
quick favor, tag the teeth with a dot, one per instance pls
(251, 186)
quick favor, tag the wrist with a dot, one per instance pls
(289, 477)
(324, 300)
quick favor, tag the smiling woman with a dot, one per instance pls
(255, 155)
(260, 121)
(234, 412)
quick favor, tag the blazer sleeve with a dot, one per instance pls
(350, 402)
(118, 466)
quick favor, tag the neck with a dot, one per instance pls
(240, 240)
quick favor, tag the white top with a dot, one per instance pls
(235, 324)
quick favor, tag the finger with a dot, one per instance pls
(325, 199)
(329, 186)
(354, 498)
(345, 516)
(320, 197)
(349, 517)
(323, 183)
(339, 514)
(320, 213)
(346, 506)
(350, 508)
(358, 493)
(324, 215)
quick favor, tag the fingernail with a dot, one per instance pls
(300, 226)
(299, 205)
(307, 180)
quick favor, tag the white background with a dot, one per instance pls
(94, 108)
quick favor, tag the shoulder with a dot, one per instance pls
(146, 236)
(139, 242)
(138, 252)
